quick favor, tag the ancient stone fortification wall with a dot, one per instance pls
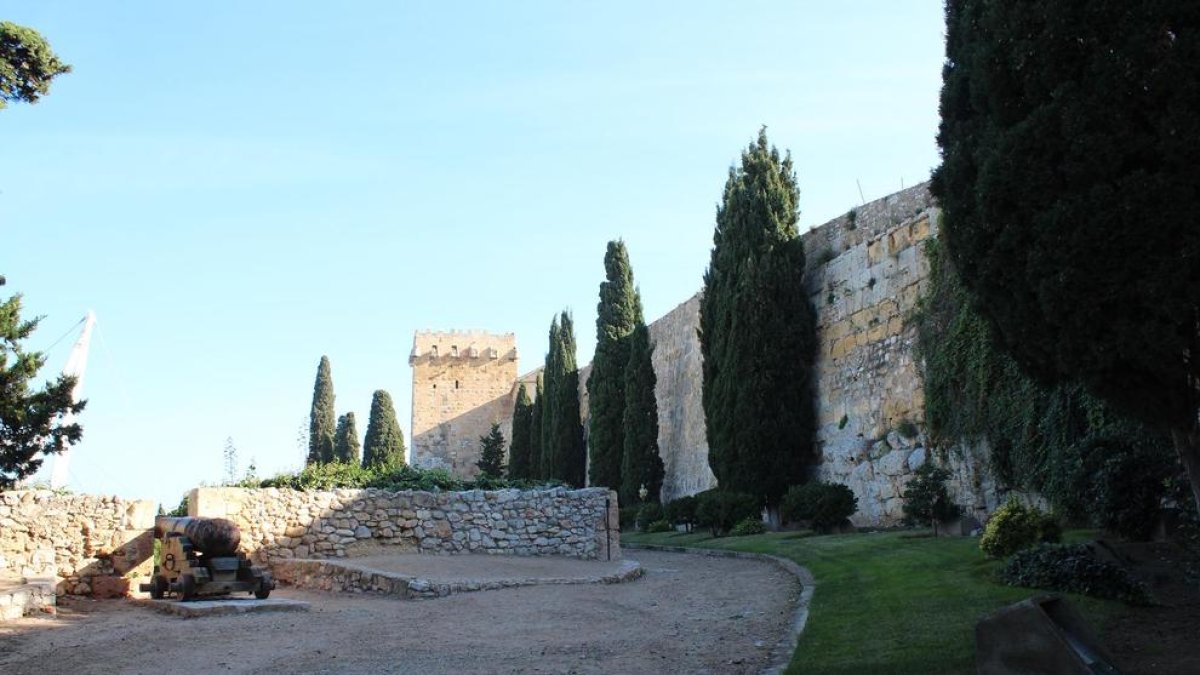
(74, 537)
(866, 271)
(462, 383)
(681, 437)
(285, 523)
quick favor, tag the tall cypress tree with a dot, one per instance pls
(569, 456)
(537, 421)
(345, 440)
(617, 314)
(757, 332)
(384, 444)
(320, 416)
(641, 463)
(549, 399)
(522, 427)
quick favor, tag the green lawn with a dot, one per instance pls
(895, 602)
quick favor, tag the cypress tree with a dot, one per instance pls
(549, 399)
(537, 420)
(384, 444)
(569, 463)
(641, 463)
(617, 314)
(491, 453)
(519, 448)
(320, 417)
(757, 332)
(345, 442)
(1070, 140)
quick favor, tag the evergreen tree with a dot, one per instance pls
(491, 453)
(346, 447)
(384, 444)
(320, 416)
(27, 64)
(758, 332)
(520, 447)
(641, 463)
(569, 456)
(1070, 141)
(537, 421)
(30, 420)
(549, 403)
(617, 314)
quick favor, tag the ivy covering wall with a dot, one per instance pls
(1091, 464)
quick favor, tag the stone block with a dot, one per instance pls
(109, 587)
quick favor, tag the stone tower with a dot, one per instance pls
(462, 383)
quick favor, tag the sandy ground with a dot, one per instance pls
(688, 614)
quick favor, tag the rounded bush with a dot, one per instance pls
(1072, 569)
(720, 511)
(682, 511)
(748, 527)
(649, 512)
(1014, 527)
(824, 505)
(660, 526)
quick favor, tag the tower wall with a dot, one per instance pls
(462, 383)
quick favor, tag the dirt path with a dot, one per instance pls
(688, 614)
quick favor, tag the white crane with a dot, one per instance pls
(76, 367)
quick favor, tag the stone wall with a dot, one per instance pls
(462, 383)
(866, 271)
(282, 523)
(74, 537)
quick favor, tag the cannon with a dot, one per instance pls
(199, 557)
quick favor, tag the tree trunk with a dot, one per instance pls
(1187, 444)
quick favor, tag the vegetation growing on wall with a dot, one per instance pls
(402, 477)
(1091, 463)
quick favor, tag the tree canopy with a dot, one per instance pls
(641, 465)
(1069, 138)
(617, 314)
(320, 417)
(491, 453)
(30, 418)
(520, 447)
(27, 65)
(384, 444)
(758, 332)
(346, 447)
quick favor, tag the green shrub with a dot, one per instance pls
(1014, 527)
(335, 475)
(650, 512)
(628, 517)
(720, 511)
(748, 527)
(824, 505)
(1072, 569)
(682, 511)
(660, 526)
(926, 499)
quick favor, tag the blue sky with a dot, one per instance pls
(238, 190)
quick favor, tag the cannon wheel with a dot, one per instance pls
(264, 587)
(158, 587)
(187, 587)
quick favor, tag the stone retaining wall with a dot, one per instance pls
(283, 523)
(74, 537)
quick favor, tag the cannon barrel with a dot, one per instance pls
(211, 536)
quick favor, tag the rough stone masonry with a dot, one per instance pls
(283, 523)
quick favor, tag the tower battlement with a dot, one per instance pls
(462, 383)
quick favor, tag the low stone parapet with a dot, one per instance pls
(284, 523)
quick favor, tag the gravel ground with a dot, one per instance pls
(688, 614)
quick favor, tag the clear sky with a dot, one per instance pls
(239, 188)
